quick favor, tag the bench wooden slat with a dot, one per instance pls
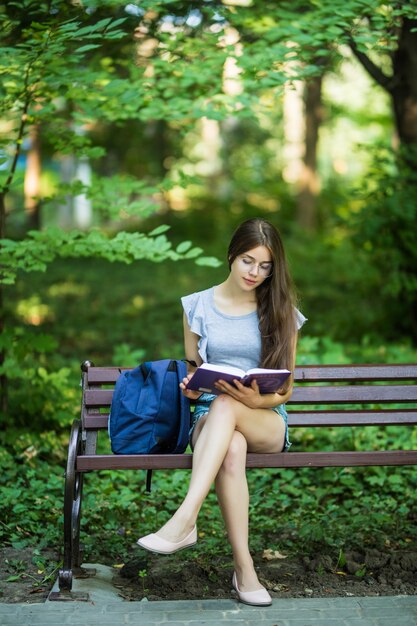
(304, 373)
(87, 463)
(352, 418)
(311, 418)
(308, 394)
(338, 373)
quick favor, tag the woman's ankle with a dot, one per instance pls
(246, 575)
(176, 528)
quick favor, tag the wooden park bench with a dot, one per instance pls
(364, 395)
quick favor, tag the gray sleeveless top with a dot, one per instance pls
(225, 339)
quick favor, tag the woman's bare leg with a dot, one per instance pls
(233, 495)
(259, 427)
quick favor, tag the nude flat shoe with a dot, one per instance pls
(260, 597)
(153, 543)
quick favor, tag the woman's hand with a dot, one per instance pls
(250, 396)
(188, 393)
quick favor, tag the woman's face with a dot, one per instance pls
(250, 269)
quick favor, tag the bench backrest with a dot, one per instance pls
(324, 395)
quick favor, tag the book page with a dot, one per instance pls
(261, 370)
(225, 369)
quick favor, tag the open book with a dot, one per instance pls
(269, 381)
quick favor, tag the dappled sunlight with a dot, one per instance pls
(139, 302)
(263, 202)
(33, 311)
(178, 199)
(68, 288)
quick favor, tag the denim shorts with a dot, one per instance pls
(203, 404)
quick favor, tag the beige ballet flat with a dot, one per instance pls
(260, 597)
(153, 543)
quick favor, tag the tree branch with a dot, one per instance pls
(373, 70)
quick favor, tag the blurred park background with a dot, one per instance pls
(134, 138)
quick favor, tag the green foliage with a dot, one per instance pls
(385, 228)
(328, 508)
(278, 42)
(129, 356)
(31, 483)
(41, 247)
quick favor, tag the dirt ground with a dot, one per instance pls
(370, 572)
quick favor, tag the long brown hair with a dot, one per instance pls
(275, 296)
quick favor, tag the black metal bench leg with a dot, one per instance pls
(72, 517)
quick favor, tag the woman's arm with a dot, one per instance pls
(191, 354)
(191, 345)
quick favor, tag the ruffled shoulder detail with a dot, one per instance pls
(300, 320)
(194, 307)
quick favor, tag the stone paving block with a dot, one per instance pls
(296, 618)
(9, 619)
(8, 611)
(99, 619)
(312, 603)
(316, 614)
(407, 600)
(212, 617)
(382, 602)
(361, 622)
(407, 616)
(387, 612)
(398, 622)
(140, 622)
(45, 618)
(188, 605)
(127, 607)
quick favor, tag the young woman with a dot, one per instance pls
(249, 320)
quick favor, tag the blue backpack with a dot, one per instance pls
(149, 414)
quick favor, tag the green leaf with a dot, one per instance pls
(183, 247)
(159, 230)
(208, 261)
(193, 253)
(86, 48)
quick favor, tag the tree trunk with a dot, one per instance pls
(32, 185)
(402, 85)
(294, 131)
(309, 178)
(404, 88)
(83, 212)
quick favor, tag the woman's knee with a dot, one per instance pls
(224, 402)
(235, 459)
(225, 407)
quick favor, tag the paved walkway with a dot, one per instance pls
(376, 611)
(105, 607)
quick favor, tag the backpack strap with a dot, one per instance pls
(145, 368)
(183, 435)
(193, 363)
